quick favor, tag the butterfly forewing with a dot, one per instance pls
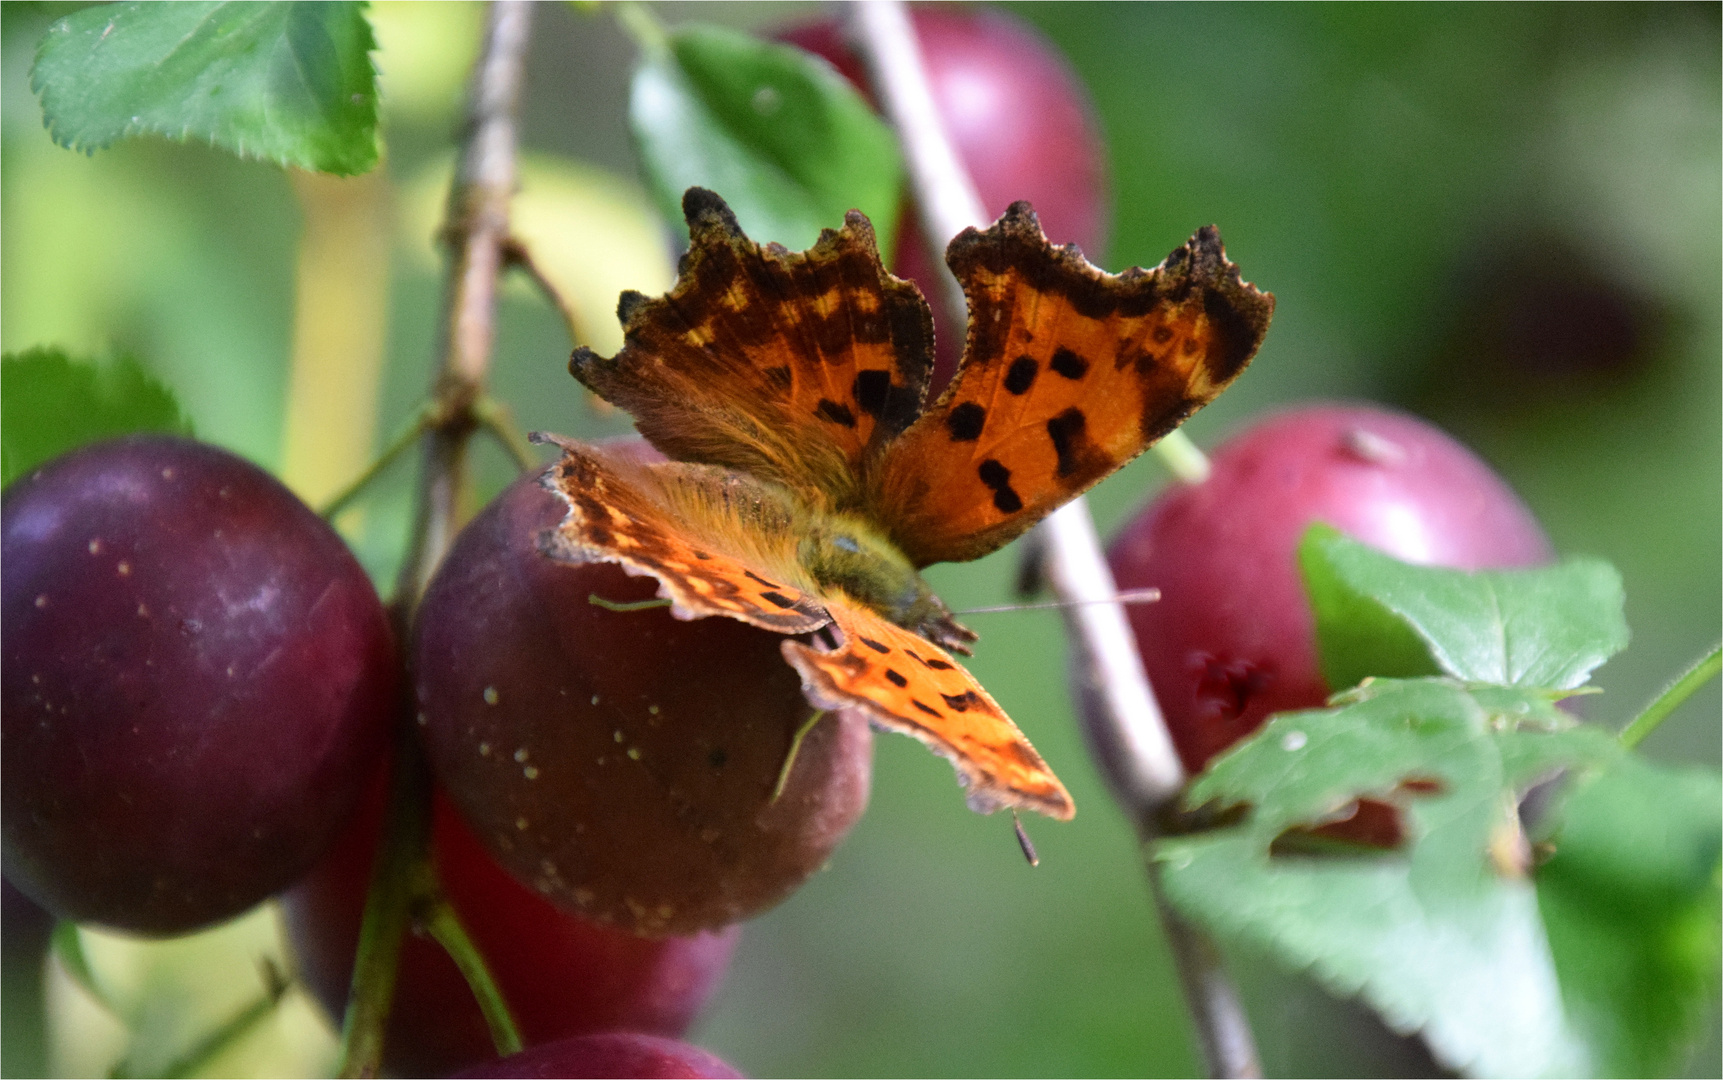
(906, 684)
(719, 562)
(1068, 373)
(793, 367)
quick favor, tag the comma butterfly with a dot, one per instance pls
(808, 484)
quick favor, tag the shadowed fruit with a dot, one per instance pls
(560, 974)
(198, 680)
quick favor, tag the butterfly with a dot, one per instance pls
(809, 482)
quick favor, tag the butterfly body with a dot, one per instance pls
(809, 484)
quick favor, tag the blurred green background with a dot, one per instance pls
(1503, 218)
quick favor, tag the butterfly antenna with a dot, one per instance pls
(627, 605)
(1023, 840)
(1129, 596)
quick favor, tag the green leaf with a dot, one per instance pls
(1441, 933)
(1630, 899)
(50, 404)
(287, 82)
(778, 133)
(1375, 615)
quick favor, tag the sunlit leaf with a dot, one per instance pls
(1375, 615)
(287, 82)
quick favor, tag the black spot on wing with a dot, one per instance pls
(835, 413)
(961, 702)
(924, 708)
(758, 580)
(895, 679)
(1069, 364)
(966, 421)
(1021, 375)
(998, 478)
(872, 391)
(778, 598)
(874, 645)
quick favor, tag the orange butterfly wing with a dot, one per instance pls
(907, 684)
(1068, 373)
(637, 515)
(792, 367)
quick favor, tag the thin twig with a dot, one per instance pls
(1121, 710)
(477, 232)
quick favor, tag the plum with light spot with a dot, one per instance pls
(623, 763)
(198, 679)
(1232, 638)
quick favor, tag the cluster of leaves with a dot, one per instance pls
(1449, 845)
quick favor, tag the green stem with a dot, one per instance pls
(1668, 701)
(1183, 458)
(496, 420)
(403, 441)
(442, 924)
(388, 910)
(790, 758)
(640, 24)
(219, 1041)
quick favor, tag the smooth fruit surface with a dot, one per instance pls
(1018, 118)
(617, 1054)
(198, 679)
(561, 975)
(623, 762)
(1232, 638)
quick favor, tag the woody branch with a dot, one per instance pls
(1120, 707)
(404, 886)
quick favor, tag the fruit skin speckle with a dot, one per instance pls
(654, 743)
(1232, 638)
(188, 717)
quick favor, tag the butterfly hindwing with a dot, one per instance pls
(1068, 373)
(906, 684)
(718, 562)
(792, 367)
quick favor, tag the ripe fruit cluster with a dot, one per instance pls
(199, 686)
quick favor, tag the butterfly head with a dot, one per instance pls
(846, 554)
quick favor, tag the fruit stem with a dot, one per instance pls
(403, 441)
(1182, 457)
(441, 923)
(1670, 700)
(498, 422)
(1113, 685)
(388, 910)
(200, 1057)
(477, 234)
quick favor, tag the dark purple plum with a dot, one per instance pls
(562, 975)
(1232, 638)
(198, 680)
(617, 1054)
(622, 763)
